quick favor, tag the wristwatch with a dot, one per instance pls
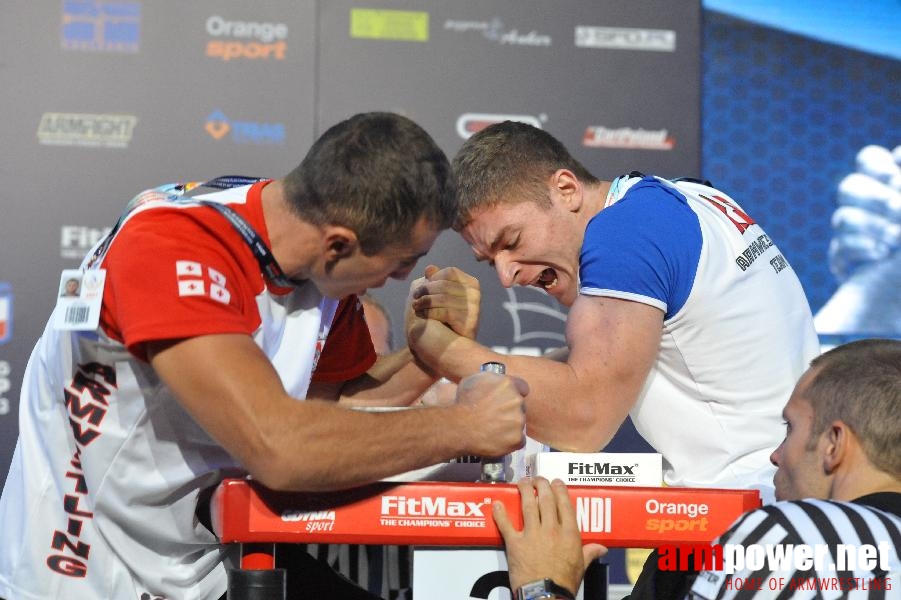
(543, 589)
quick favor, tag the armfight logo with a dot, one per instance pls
(251, 40)
(495, 31)
(469, 124)
(101, 26)
(88, 130)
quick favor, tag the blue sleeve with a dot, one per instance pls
(646, 248)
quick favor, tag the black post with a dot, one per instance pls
(596, 581)
(257, 584)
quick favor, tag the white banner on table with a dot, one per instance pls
(461, 574)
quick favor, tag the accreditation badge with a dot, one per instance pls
(80, 296)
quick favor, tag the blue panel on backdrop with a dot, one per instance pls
(871, 26)
(783, 119)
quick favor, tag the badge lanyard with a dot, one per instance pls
(261, 252)
(264, 257)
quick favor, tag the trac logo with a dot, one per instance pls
(472, 123)
(101, 26)
(597, 136)
(625, 38)
(6, 314)
(76, 240)
(495, 31)
(218, 126)
(91, 130)
(252, 40)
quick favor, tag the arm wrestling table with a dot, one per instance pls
(459, 514)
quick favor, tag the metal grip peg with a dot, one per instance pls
(494, 469)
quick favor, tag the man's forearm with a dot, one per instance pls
(396, 379)
(560, 410)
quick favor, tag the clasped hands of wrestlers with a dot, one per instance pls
(444, 304)
(443, 308)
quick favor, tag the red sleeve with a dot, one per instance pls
(170, 275)
(348, 350)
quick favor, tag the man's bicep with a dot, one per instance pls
(613, 344)
(226, 384)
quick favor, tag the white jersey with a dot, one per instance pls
(737, 332)
(101, 499)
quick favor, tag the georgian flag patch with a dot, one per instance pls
(195, 280)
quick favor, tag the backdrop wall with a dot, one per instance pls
(107, 98)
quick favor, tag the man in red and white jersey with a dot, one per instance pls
(216, 308)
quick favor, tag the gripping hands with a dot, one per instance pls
(867, 223)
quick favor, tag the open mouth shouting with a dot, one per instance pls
(547, 280)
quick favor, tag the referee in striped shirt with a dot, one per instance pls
(838, 481)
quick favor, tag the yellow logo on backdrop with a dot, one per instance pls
(78, 129)
(399, 25)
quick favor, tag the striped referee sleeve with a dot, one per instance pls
(835, 531)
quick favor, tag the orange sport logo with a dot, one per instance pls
(252, 40)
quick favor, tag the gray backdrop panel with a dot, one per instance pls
(199, 116)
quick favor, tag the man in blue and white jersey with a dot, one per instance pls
(683, 313)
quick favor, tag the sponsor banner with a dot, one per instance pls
(455, 573)
(218, 126)
(775, 558)
(101, 26)
(459, 514)
(469, 124)
(83, 129)
(598, 136)
(397, 25)
(76, 240)
(5, 386)
(495, 31)
(248, 40)
(6, 312)
(598, 468)
(625, 38)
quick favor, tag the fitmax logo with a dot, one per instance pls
(600, 469)
(401, 506)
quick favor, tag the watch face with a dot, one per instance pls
(536, 590)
